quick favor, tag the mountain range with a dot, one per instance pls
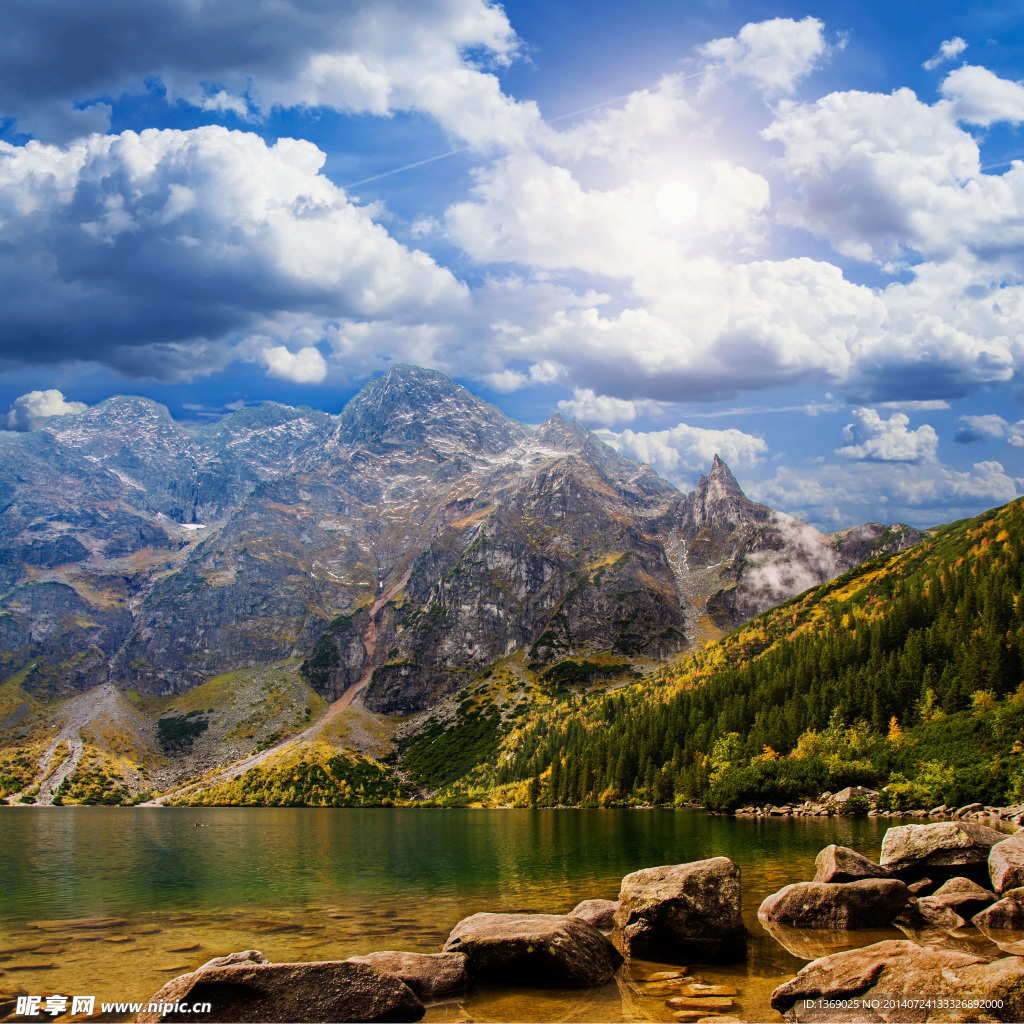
(408, 543)
(391, 555)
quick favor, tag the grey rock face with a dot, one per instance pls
(1006, 863)
(414, 409)
(867, 903)
(316, 992)
(897, 970)
(429, 975)
(841, 864)
(681, 913)
(941, 849)
(546, 949)
(599, 913)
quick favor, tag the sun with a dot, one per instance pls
(676, 202)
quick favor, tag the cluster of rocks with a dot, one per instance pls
(979, 812)
(839, 803)
(681, 913)
(827, 804)
(930, 882)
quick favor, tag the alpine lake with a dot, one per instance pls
(114, 902)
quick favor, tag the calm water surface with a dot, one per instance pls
(321, 884)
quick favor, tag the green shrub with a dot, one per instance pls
(857, 805)
(180, 732)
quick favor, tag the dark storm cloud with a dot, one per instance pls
(62, 60)
(153, 252)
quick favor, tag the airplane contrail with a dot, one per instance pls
(466, 149)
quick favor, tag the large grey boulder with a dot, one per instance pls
(940, 849)
(841, 864)
(867, 903)
(844, 795)
(599, 913)
(429, 975)
(329, 991)
(681, 913)
(534, 949)
(1006, 863)
(894, 971)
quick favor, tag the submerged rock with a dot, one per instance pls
(707, 990)
(329, 991)
(1006, 863)
(867, 903)
(538, 949)
(897, 970)
(599, 913)
(245, 956)
(841, 864)
(429, 975)
(813, 943)
(939, 849)
(709, 1004)
(681, 913)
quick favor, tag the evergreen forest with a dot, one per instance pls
(905, 674)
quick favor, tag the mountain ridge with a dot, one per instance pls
(135, 553)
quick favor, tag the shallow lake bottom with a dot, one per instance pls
(115, 902)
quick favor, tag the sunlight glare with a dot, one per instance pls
(676, 202)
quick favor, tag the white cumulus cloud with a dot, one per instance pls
(31, 411)
(981, 428)
(924, 494)
(603, 410)
(307, 366)
(887, 440)
(681, 451)
(886, 175)
(980, 97)
(774, 54)
(948, 50)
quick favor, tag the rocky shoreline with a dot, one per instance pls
(855, 800)
(955, 889)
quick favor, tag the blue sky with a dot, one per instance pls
(788, 233)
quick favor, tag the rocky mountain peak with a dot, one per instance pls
(122, 411)
(562, 434)
(719, 484)
(411, 408)
(124, 431)
(568, 436)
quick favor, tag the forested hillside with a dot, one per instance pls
(905, 671)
